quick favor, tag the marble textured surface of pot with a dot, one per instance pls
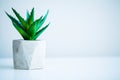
(29, 54)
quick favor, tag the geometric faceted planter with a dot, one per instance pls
(28, 54)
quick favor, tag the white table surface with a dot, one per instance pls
(93, 68)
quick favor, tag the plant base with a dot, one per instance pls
(28, 54)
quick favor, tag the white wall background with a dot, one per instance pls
(78, 27)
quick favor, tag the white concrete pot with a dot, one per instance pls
(28, 54)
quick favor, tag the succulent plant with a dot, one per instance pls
(29, 29)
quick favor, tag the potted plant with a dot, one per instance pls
(28, 53)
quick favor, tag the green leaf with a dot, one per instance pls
(37, 24)
(33, 28)
(19, 27)
(21, 31)
(40, 32)
(27, 16)
(31, 17)
(42, 21)
(23, 22)
(15, 21)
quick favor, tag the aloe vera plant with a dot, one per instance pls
(29, 29)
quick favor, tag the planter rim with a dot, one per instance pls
(27, 40)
